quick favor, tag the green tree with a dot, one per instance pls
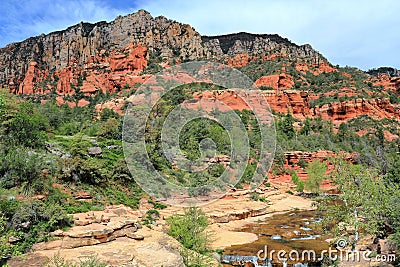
(342, 131)
(316, 175)
(286, 126)
(107, 113)
(365, 202)
(306, 130)
(299, 183)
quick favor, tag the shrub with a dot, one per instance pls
(295, 178)
(302, 163)
(26, 128)
(107, 113)
(19, 165)
(108, 128)
(300, 186)
(58, 261)
(30, 222)
(190, 230)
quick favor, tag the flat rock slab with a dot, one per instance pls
(95, 230)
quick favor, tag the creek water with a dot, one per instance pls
(292, 232)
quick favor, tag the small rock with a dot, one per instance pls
(386, 246)
(39, 197)
(82, 195)
(13, 239)
(25, 225)
(81, 222)
(58, 232)
(104, 218)
(114, 147)
(116, 225)
(90, 216)
(216, 256)
(134, 236)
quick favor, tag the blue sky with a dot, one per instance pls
(360, 33)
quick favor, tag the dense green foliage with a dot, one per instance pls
(43, 147)
(29, 223)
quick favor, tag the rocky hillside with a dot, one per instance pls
(107, 45)
(113, 58)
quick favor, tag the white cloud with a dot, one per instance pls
(22, 19)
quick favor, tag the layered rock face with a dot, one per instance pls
(276, 81)
(126, 44)
(258, 44)
(298, 103)
(81, 43)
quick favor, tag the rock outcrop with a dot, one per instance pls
(33, 75)
(258, 44)
(298, 103)
(293, 157)
(276, 81)
(342, 111)
(390, 83)
(114, 236)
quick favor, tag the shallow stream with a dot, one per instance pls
(294, 232)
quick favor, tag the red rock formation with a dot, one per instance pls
(276, 81)
(314, 69)
(292, 159)
(324, 67)
(65, 78)
(33, 76)
(134, 59)
(375, 108)
(302, 67)
(396, 81)
(114, 104)
(60, 101)
(239, 60)
(207, 101)
(104, 73)
(389, 83)
(297, 102)
(83, 103)
(294, 101)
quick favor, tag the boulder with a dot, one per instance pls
(95, 151)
